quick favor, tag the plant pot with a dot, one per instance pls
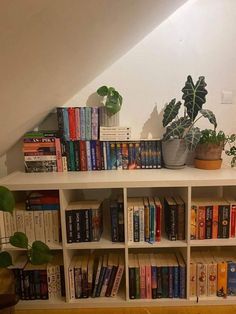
(207, 164)
(106, 119)
(209, 151)
(174, 153)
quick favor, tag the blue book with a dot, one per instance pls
(231, 278)
(66, 124)
(114, 221)
(93, 155)
(89, 156)
(82, 124)
(88, 123)
(108, 155)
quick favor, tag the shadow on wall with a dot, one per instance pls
(15, 158)
(153, 128)
(94, 100)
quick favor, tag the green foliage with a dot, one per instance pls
(112, 99)
(230, 142)
(7, 201)
(194, 96)
(39, 253)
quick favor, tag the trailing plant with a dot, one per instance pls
(37, 253)
(112, 99)
(184, 127)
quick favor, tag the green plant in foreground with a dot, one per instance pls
(37, 253)
(112, 99)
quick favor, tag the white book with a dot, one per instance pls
(29, 225)
(130, 223)
(55, 226)
(48, 226)
(141, 224)
(39, 225)
(20, 220)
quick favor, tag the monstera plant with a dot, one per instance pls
(37, 253)
(180, 118)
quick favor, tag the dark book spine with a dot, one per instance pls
(182, 282)
(176, 282)
(43, 284)
(26, 281)
(98, 156)
(132, 283)
(171, 281)
(121, 234)
(154, 281)
(69, 226)
(83, 155)
(159, 154)
(136, 225)
(114, 222)
(224, 221)
(209, 217)
(37, 284)
(165, 281)
(142, 155)
(100, 281)
(77, 155)
(159, 282)
(77, 223)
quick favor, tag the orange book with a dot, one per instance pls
(193, 232)
(221, 276)
(215, 222)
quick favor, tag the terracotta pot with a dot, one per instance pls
(207, 164)
(208, 151)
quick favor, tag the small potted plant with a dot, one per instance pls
(182, 135)
(208, 153)
(112, 102)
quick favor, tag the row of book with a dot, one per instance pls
(45, 151)
(213, 218)
(39, 282)
(213, 273)
(95, 276)
(84, 221)
(174, 217)
(43, 225)
(144, 219)
(78, 123)
(159, 275)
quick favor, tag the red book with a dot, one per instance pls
(83, 156)
(71, 116)
(232, 221)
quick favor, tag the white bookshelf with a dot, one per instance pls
(187, 182)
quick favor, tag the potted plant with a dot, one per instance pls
(182, 134)
(37, 253)
(208, 153)
(112, 102)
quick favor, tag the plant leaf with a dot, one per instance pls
(7, 202)
(40, 253)
(5, 259)
(194, 96)
(19, 239)
(176, 128)
(102, 91)
(112, 107)
(170, 112)
(192, 138)
(209, 115)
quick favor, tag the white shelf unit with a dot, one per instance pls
(187, 182)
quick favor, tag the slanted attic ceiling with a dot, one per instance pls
(50, 49)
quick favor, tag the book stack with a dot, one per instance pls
(84, 221)
(114, 133)
(95, 275)
(38, 217)
(42, 151)
(39, 282)
(174, 209)
(213, 218)
(212, 273)
(78, 123)
(144, 219)
(161, 275)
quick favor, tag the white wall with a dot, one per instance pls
(198, 39)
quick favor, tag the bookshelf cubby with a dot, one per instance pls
(75, 186)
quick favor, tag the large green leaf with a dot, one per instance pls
(170, 112)
(209, 115)
(194, 96)
(5, 259)
(40, 253)
(177, 128)
(7, 202)
(19, 239)
(192, 138)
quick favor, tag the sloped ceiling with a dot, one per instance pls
(50, 49)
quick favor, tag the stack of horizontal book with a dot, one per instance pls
(95, 275)
(38, 217)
